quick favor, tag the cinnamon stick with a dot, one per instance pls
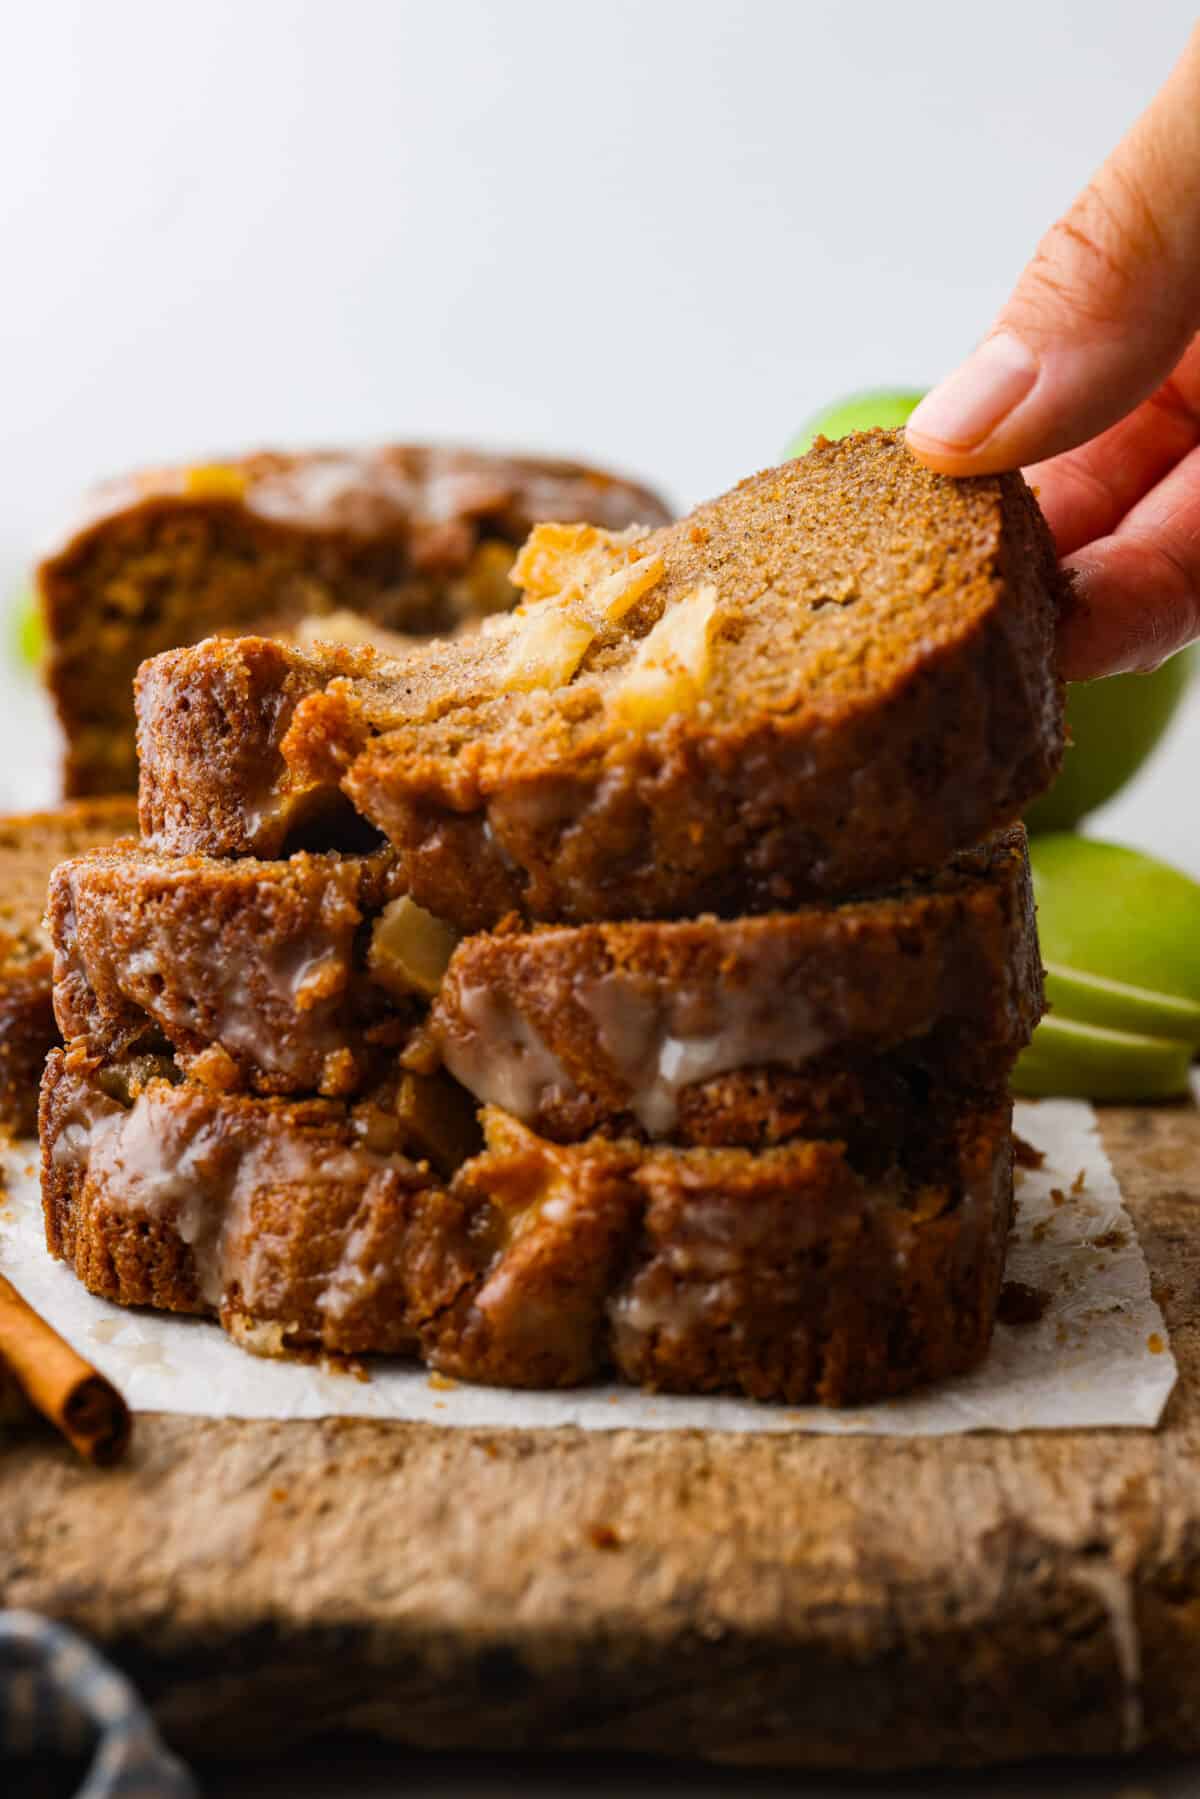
(77, 1400)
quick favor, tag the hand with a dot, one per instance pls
(1090, 379)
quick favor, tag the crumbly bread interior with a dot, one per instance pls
(808, 588)
(31, 846)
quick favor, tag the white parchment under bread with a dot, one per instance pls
(1097, 1356)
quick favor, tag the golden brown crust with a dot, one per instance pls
(422, 494)
(254, 972)
(872, 1292)
(402, 535)
(31, 843)
(27, 1033)
(192, 1201)
(786, 1275)
(211, 719)
(826, 1020)
(883, 692)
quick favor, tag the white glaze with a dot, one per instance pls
(204, 1180)
(673, 1312)
(504, 1062)
(302, 979)
(349, 1281)
(657, 1039)
(661, 1040)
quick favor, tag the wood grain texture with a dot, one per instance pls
(806, 1601)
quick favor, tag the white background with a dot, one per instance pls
(657, 232)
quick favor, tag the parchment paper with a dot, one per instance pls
(1097, 1356)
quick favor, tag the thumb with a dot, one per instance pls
(1100, 316)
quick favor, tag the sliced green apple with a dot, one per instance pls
(1092, 999)
(1113, 912)
(1085, 1061)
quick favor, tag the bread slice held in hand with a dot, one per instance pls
(838, 673)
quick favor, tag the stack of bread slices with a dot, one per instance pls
(375, 545)
(630, 987)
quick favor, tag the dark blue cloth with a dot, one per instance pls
(61, 1702)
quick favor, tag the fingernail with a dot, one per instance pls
(966, 408)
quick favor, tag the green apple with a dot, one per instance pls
(1114, 725)
(1090, 999)
(26, 628)
(1112, 912)
(1085, 1061)
(888, 407)
(1120, 937)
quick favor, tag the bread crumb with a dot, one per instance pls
(1155, 1344)
(1021, 1304)
(1025, 1155)
(1080, 1181)
(334, 1361)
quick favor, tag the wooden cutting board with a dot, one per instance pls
(801, 1600)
